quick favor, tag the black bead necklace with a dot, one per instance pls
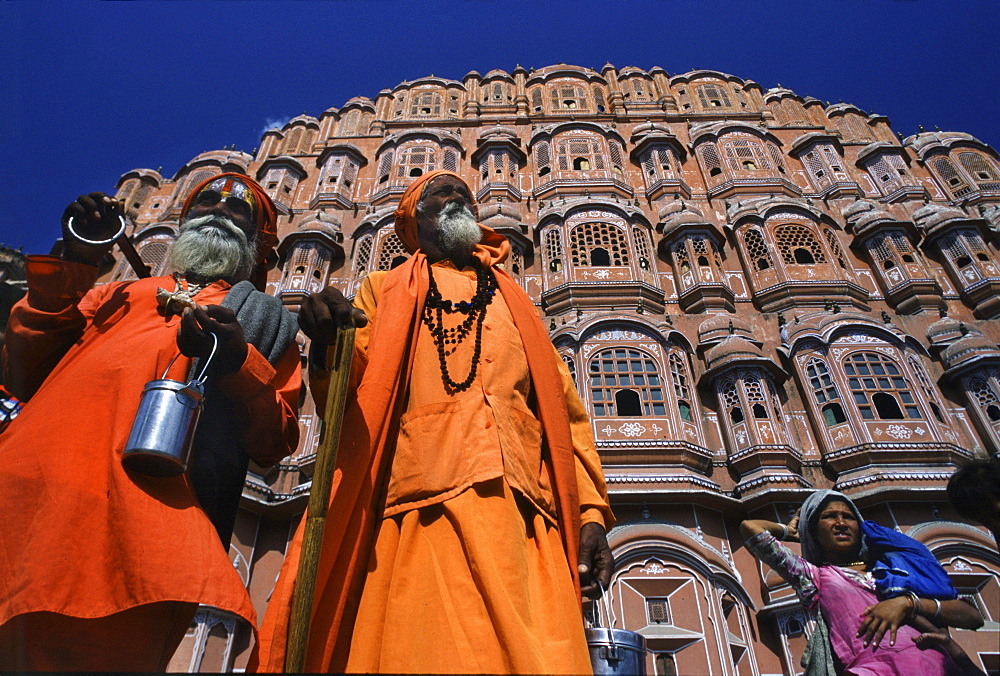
(475, 313)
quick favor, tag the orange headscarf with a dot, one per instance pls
(367, 443)
(265, 214)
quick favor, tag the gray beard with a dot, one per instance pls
(458, 232)
(213, 247)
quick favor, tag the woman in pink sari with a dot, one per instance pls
(833, 577)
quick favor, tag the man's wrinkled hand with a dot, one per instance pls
(596, 563)
(96, 217)
(193, 337)
(321, 313)
(885, 616)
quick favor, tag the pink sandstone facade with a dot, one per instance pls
(759, 294)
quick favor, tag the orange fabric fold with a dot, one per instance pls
(371, 423)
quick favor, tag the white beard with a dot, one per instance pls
(213, 247)
(458, 232)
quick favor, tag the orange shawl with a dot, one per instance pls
(371, 423)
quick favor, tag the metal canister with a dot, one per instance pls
(615, 652)
(159, 444)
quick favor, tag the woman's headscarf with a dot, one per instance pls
(809, 518)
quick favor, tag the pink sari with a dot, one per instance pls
(842, 595)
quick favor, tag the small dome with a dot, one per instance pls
(649, 128)
(719, 327)
(932, 215)
(500, 216)
(972, 347)
(862, 214)
(497, 132)
(946, 331)
(320, 222)
(302, 119)
(677, 214)
(733, 348)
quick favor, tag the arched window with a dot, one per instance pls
(798, 245)
(963, 248)
(571, 365)
(744, 154)
(930, 394)
(362, 254)
(626, 382)
(757, 249)
(391, 253)
(416, 161)
(836, 249)
(879, 388)
(978, 167)
(713, 96)
(985, 396)
(730, 400)
(588, 237)
(568, 97)
(658, 162)
(542, 160)
(825, 392)
(954, 181)
(710, 159)
(384, 165)
(292, 142)
(582, 154)
(536, 100)
(425, 104)
(599, 99)
(553, 250)
(682, 388)
(154, 254)
(642, 248)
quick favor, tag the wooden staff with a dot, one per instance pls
(319, 499)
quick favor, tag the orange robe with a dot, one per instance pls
(468, 572)
(79, 536)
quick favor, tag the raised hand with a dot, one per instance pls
(95, 217)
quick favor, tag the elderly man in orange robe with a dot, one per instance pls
(469, 505)
(102, 568)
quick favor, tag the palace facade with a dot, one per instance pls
(758, 293)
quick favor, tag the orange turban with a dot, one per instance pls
(493, 247)
(264, 210)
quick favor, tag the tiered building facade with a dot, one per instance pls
(759, 294)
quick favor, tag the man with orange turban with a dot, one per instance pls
(469, 508)
(101, 567)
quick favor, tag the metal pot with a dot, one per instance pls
(615, 651)
(159, 444)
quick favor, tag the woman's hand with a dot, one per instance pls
(886, 616)
(793, 527)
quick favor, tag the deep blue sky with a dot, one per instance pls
(91, 90)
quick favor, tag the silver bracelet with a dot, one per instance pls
(784, 531)
(937, 609)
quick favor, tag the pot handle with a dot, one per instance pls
(200, 379)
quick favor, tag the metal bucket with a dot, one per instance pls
(159, 444)
(615, 651)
